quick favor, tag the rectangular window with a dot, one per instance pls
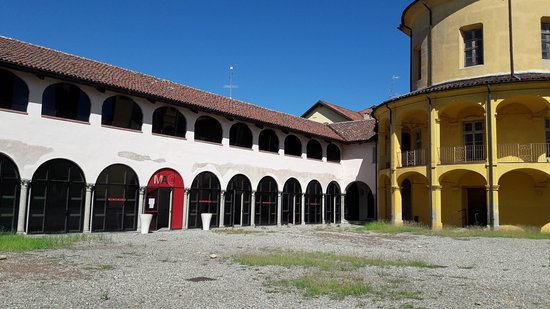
(545, 32)
(474, 145)
(418, 53)
(473, 47)
(547, 125)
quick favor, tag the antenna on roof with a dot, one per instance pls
(393, 94)
(231, 86)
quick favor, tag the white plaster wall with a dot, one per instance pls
(30, 140)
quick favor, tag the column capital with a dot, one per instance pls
(280, 193)
(222, 192)
(89, 186)
(394, 189)
(25, 182)
(186, 190)
(142, 190)
(436, 187)
(495, 187)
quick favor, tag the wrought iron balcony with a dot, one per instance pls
(462, 154)
(412, 158)
(530, 153)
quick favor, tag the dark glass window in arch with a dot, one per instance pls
(121, 112)
(204, 197)
(314, 150)
(208, 129)
(266, 202)
(66, 101)
(268, 141)
(240, 135)
(238, 198)
(9, 194)
(333, 204)
(292, 202)
(14, 93)
(293, 146)
(313, 203)
(333, 153)
(169, 121)
(116, 199)
(57, 198)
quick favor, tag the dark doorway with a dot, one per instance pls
(160, 203)
(291, 210)
(313, 199)
(164, 200)
(359, 203)
(266, 202)
(9, 194)
(204, 197)
(477, 206)
(406, 200)
(237, 202)
(333, 201)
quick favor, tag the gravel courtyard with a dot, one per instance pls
(175, 269)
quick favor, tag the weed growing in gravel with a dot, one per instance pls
(20, 243)
(238, 231)
(419, 229)
(104, 295)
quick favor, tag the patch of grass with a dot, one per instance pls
(323, 261)
(104, 295)
(335, 287)
(419, 229)
(20, 243)
(237, 231)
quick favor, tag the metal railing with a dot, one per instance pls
(530, 153)
(412, 158)
(462, 154)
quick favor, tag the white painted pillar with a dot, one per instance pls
(186, 209)
(303, 205)
(253, 209)
(342, 209)
(323, 201)
(222, 208)
(279, 208)
(334, 199)
(87, 208)
(141, 202)
(22, 215)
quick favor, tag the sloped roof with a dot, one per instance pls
(40, 60)
(355, 131)
(344, 112)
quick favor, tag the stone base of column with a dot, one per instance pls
(437, 226)
(397, 222)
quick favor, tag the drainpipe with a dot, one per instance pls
(490, 154)
(511, 38)
(429, 45)
(430, 176)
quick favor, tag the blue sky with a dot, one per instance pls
(287, 54)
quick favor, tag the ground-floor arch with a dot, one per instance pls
(524, 198)
(463, 198)
(10, 184)
(415, 201)
(333, 203)
(291, 210)
(238, 198)
(57, 198)
(204, 197)
(359, 202)
(266, 202)
(116, 195)
(313, 202)
(165, 199)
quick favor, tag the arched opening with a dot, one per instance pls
(14, 93)
(359, 203)
(266, 202)
(333, 204)
(406, 198)
(313, 203)
(169, 121)
(116, 195)
(208, 129)
(66, 101)
(238, 197)
(463, 198)
(121, 112)
(268, 141)
(57, 198)
(415, 198)
(204, 197)
(291, 212)
(10, 184)
(293, 146)
(413, 137)
(164, 199)
(333, 153)
(523, 198)
(314, 150)
(240, 135)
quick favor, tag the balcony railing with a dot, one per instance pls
(530, 153)
(412, 158)
(462, 154)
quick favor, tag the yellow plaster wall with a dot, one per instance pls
(324, 115)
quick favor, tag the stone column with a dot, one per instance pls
(141, 202)
(396, 204)
(323, 207)
(279, 207)
(303, 205)
(222, 208)
(343, 209)
(495, 214)
(436, 208)
(253, 209)
(88, 208)
(22, 215)
(334, 209)
(186, 209)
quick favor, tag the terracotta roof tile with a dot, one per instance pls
(41, 60)
(351, 115)
(355, 131)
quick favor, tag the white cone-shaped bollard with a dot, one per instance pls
(145, 222)
(206, 218)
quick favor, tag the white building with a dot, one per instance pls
(85, 146)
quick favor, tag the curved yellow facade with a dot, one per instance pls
(476, 149)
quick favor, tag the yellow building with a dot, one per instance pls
(470, 145)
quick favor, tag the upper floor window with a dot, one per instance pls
(240, 135)
(66, 101)
(418, 55)
(169, 121)
(473, 47)
(293, 146)
(268, 141)
(547, 126)
(14, 93)
(314, 150)
(545, 30)
(122, 112)
(333, 153)
(208, 129)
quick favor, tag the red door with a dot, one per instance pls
(166, 182)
